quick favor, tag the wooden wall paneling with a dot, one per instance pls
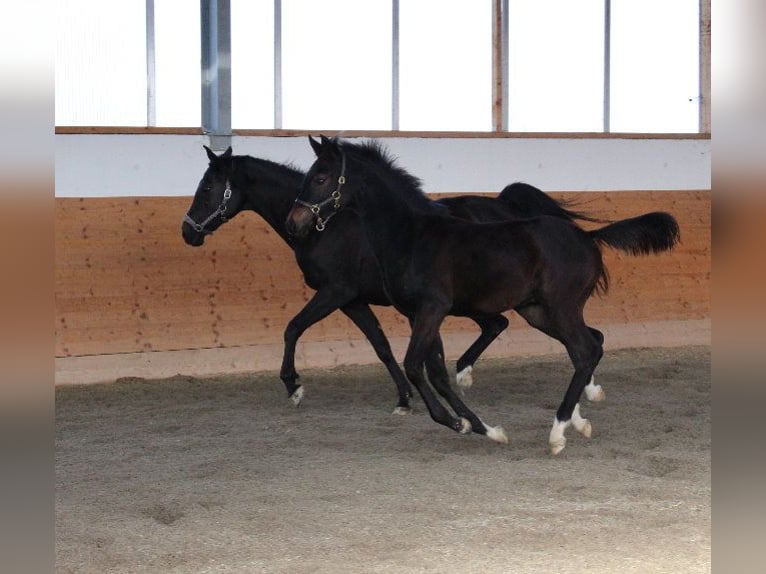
(126, 282)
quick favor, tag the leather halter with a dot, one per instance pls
(200, 227)
(316, 208)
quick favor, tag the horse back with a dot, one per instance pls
(492, 267)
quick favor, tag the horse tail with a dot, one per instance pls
(529, 201)
(649, 233)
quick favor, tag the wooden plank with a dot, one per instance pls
(381, 134)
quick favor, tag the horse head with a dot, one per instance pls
(322, 194)
(214, 202)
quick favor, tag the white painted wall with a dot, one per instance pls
(89, 165)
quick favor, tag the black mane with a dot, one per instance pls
(285, 172)
(400, 181)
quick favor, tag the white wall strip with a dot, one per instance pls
(112, 165)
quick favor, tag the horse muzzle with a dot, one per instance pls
(299, 221)
(192, 236)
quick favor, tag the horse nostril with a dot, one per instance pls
(296, 225)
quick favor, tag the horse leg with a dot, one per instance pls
(425, 330)
(491, 327)
(594, 392)
(323, 303)
(437, 374)
(585, 351)
(363, 317)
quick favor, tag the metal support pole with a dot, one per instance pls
(607, 63)
(500, 65)
(704, 65)
(395, 65)
(151, 75)
(216, 72)
(277, 64)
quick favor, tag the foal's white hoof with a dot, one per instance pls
(464, 379)
(297, 396)
(557, 440)
(497, 434)
(402, 411)
(595, 394)
(558, 446)
(465, 426)
(584, 428)
(580, 424)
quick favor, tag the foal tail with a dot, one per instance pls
(649, 233)
(529, 201)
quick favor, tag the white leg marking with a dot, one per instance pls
(496, 434)
(582, 425)
(297, 396)
(402, 411)
(465, 427)
(557, 440)
(594, 392)
(464, 378)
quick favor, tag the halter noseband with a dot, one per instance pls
(334, 198)
(200, 227)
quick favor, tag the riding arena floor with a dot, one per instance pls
(224, 474)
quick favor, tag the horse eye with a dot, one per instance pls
(320, 179)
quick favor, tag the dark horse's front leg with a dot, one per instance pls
(437, 374)
(320, 306)
(363, 317)
(324, 302)
(425, 348)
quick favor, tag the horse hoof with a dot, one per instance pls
(297, 396)
(497, 434)
(465, 426)
(594, 392)
(585, 428)
(558, 446)
(464, 379)
(402, 411)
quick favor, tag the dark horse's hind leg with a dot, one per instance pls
(584, 346)
(593, 391)
(439, 378)
(364, 318)
(491, 327)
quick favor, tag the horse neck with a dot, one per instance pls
(271, 190)
(391, 224)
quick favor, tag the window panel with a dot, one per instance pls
(556, 65)
(101, 63)
(252, 64)
(177, 57)
(445, 65)
(655, 66)
(336, 64)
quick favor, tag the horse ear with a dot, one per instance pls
(329, 145)
(315, 145)
(210, 154)
(227, 153)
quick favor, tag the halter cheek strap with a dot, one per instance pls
(316, 208)
(200, 227)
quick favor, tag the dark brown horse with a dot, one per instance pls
(433, 265)
(338, 262)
